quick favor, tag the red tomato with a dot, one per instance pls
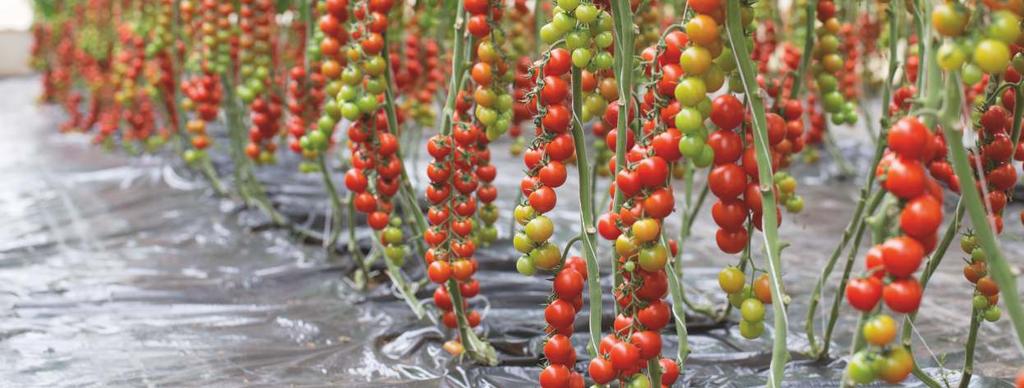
(624, 355)
(555, 376)
(568, 284)
(874, 262)
(655, 316)
(660, 203)
(558, 350)
(921, 216)
(902, 255)
(863, 293)
(727, 144)
(648, 342)
(561, 147)
(559, 313)
(555, 90)
(903, 295)
(543, 199)
(909, 138)
(669, 371)
(726, 110)
(439, 271)
(601, 370)
(727, 180)
(552, 174)
(731, 242)
(905, 178)
(559, 63)
(729, 214)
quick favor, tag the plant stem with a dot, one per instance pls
(587, 229)
(622, 18)
(805, 58)
(972, 337)
(737, 40)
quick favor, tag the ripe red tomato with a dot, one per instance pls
(543, 199)
(555, 90)
(705, 6)
(905, 178)
(559, 63)
(561, 147)
(863, 293)
(660, 203)
(439, 271)
(921, 216)
(552, 174)
(558, 350)
(559, 313)
(669, 371)
(478, 26)
(655, 316)
(902, 255)
(726, 110)
(555, 376)
(728, 146)
(624, 355)
(355, 180)
(655, 286)
(729, 214)
(909, 138)
(442, 299)
(606, 226)
(556, 119)
(628, 182)
(601, 370)
(731, 242)
(568, 284)
(727, 180)
(903, 295)
(874, 262)
(648, 342)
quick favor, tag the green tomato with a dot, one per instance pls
(629, 266)
(586, 13)
(581, 57)
(690, 91)
(333, 110)
(861, 369)
(971, 73)
(326, 123)
(653, 258)
(968, 243)
(350, 111)
(604, 39)
(525, 266)
(639, 380)
(524, 213)
(731, 280)
(979, 302)
(595, 103)
(714, 78)
(489, 234)
(605, 22)
(351, 75)
(392, 235)
(691, 146)
(487, 116)
(827, 83)
(375, 85)
(736, 299)
(752, 310)
(540, 229)
(751, 330)
(246, 94)
(505, 102)
(550, 34)
(367, 104)
(833, 102)
(603, 60)
(706, 157)
(563, 23)
(993, 313)
(949, 56)
(828, 44)
(795, 204)
(317, 140)
(546, 256)
(522, 243)
(395, 253)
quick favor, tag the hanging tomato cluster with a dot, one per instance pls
(449, 257)
(257, 56)
(833, 73)
(566, 300)
(418, 76)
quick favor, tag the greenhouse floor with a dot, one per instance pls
(125, 271)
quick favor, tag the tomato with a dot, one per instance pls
(751, 330)
(666, 145)
(909, 138)
(988, 287)
(655, 316)
(439, 271)
(921, 216)
(606, 226)
(727, 180)
(1002, 177)
(690, 91)
(949, 19)
(559, 313)
(601, 370)
(729, 214)
(462, 270)
(568, 283)
(902, 255)
(731, 241)
(555, 376)
(543, 199)
(731, 279)
(558, 350)
(705, 6)
(763, 289)
(646, 230)
(903, 295)
(628, 182)
(863, 293)
(879, 330)
(546, 256)
(905, 178)
(875, 262)
(727, 144)
(559, 63)
(556, 118)
(355, 180)
(648, 342)
(702, 29)
(727, 112)
(555, 90)
(752, 310)
(653, 171)
(896, 365)
(552, 174)
(478, 26)
(655, 286)
(660, 203)
(653, 258)
(624, 355)
(861, 369)
(992, 56)
(561, 147)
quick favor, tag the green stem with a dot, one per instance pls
(805, 59)
(587, 228)
(972, 338)
(747, 72)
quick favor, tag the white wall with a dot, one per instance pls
(15, 41)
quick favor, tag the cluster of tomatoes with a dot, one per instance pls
(891, 264)
(131, 102)
(986, 290)
(305, 97)
(480, 175)
(452, 207)
(696, 53)
(831, 70)
(560, 314)
(991, 45)
(203, 95)
(257, 56)
(213, 32)
(490, 72)
(749, 298)
(418, 76)
(332, 54)
(996, 157)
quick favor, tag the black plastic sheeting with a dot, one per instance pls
(125, 271)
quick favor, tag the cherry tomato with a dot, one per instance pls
(903, 295)
(863, 293)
